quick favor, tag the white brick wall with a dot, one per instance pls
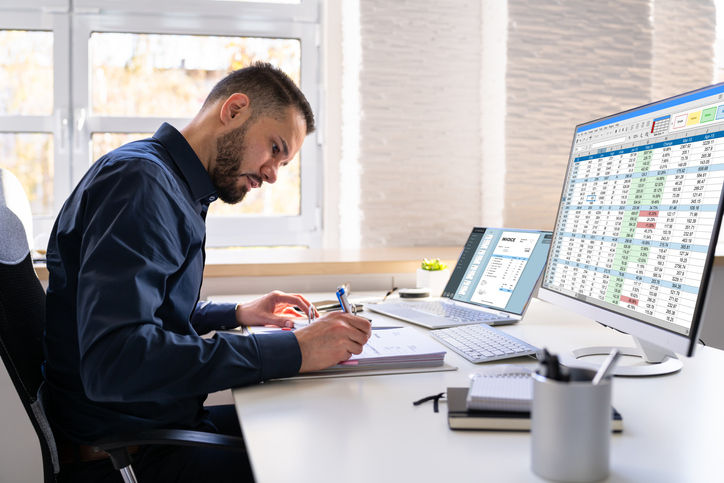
(566, 62)
(420, 126)
(683, 46)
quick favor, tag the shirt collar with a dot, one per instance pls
(193, 171)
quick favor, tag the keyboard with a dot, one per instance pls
(482, 343)
(456, 313)
(438, 314)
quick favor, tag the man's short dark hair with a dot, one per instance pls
(271, 92)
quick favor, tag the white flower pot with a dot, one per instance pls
(433, 280)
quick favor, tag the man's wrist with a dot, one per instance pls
(237, 314)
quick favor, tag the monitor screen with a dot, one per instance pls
(499, 268)
(639, 217)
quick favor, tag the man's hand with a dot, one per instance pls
(332, 339)
(274, 308)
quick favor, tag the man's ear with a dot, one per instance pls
(235, 110)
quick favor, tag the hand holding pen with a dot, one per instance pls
(332, 338)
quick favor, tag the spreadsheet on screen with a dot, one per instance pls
(639, 207)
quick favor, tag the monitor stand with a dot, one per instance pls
(660, 361)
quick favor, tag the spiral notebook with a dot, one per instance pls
(503, 387)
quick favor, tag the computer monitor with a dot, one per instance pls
(638, 223)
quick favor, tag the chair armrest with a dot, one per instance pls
(116, 447)
(176, 437)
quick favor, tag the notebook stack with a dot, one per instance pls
(499, 398)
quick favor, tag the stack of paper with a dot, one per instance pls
(396, 348)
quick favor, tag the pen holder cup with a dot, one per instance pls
(571, 427)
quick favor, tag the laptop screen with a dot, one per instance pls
(499, 267)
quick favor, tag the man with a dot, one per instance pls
(125, 258)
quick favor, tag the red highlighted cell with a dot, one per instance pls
(629, 300)
(643, 224)
(648, 213)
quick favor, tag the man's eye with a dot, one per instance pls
(275, 148)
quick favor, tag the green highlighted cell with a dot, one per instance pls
(629, 222)
(643, 161)
(613, 291)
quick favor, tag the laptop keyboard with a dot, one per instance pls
(448, 311)
(482, 343)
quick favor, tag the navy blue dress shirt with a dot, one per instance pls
(123, 341)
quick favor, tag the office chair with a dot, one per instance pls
(22, 318)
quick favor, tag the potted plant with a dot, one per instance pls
(432, 275)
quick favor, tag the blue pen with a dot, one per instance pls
(343, 302)
(346, 307)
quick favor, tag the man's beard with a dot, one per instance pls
(229, 158)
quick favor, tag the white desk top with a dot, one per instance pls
(365, 429)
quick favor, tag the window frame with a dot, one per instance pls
(254, 230)
(53, 20)
(72, 123)
(303, 10)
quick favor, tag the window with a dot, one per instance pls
(134, 66)
(33, 78)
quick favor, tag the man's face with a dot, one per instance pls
(252, 154)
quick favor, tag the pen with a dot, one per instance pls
(607, 366)
(552, 367)
(549, 366)
(310, 314)
(343, 302)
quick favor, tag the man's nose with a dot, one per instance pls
(269, 173)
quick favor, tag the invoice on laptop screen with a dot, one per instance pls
(499, 268)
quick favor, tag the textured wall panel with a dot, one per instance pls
(420, 124)
(568, 61)
(684, 39)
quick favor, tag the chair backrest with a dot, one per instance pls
(22, 319)
(14, 199)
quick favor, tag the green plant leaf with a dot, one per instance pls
(432, 264)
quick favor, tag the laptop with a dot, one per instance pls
(492, 282)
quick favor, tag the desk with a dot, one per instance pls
(365, 429)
